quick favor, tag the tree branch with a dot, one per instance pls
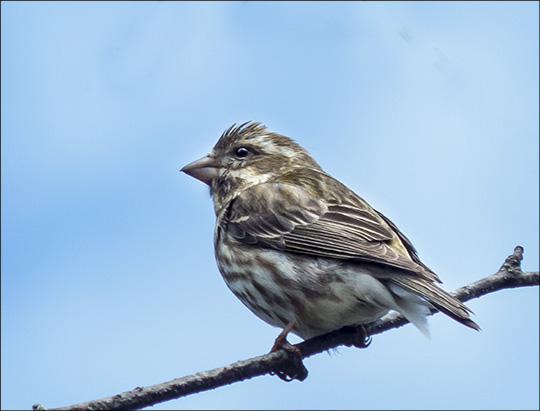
(288, 363)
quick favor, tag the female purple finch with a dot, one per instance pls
(301, 250)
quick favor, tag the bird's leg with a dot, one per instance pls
(361, 340)
(294, 367)
(281, 340)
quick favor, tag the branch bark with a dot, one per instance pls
(288, 363)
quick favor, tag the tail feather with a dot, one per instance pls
(414, 308)
(439, 298)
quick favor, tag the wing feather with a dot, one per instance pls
(287, 217)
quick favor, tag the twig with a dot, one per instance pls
(285, 362)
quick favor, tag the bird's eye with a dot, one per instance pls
(241, 152)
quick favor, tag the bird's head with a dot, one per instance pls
(246, 155)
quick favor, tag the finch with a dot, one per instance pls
(301, 250)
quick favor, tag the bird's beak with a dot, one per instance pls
(204, 169)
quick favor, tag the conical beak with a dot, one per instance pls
(204, 169)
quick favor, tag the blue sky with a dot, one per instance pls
(428, 110)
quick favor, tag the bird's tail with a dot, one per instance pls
(439, 298)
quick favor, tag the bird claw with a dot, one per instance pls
(360, 339)
(293, 368)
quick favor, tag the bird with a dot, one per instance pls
(303, 251)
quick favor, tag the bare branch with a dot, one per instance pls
(286, 363)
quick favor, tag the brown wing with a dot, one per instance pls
(287, 217)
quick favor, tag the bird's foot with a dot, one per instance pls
(293, 368)
(360, 338)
